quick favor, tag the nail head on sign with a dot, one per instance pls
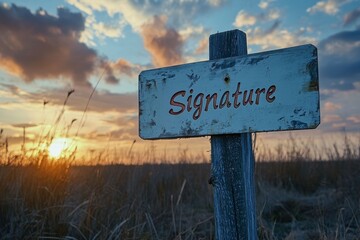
(227, 78)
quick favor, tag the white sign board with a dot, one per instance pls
(268, 91)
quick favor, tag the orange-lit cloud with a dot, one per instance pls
(126, 128)
(101, 101)
(163, 43)
(122, 66)
(41, 46)
(203, 46)
(164, 37)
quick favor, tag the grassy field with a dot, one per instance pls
(296, 199)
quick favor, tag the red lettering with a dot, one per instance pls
(258, 92)
(249, 99)
(270, 92)
(227, 100)
(198, 105)
(195, 102)
(189, 100)
(208, 99)
(236, 95)
(177, 104)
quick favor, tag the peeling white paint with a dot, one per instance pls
(290, 99)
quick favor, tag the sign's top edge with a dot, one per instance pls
(294, 48)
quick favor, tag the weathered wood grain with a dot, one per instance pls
(232, 162)
(268, 91)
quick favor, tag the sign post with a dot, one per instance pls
(229, 97)
(232, 161)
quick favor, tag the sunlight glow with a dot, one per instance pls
(58, 146)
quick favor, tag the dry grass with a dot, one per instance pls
(296, 199)
(105, 202)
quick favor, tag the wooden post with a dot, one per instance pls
(171, 102)
(232, 161)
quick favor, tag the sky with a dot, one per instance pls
(69, 68)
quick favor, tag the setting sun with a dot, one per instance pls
(58, 146)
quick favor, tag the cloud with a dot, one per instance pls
(336, 122)
(264, 4)
(14, 90)
(202, 46)
(355, 119)
(124, 127)
(339, 126)
(245, 19)
(351, 17)
(330, 7)
(127, 126)
(138, 13)
(331, 118)
(124, 120)
(275, 37)
(114, 113)
(108, 72)
(124, 67)
(338, 108)
(133, 15)
(145, 14)
(330, 106)
(111, 31)
(101, 102)
(339, 61)
(95, 29)
(163, 43)
(164, 38)
(195, 39)
(125, 134)
(38, 45)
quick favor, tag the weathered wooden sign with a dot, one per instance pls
(268, 91)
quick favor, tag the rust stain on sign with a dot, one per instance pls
(269, 91)
(311, 67)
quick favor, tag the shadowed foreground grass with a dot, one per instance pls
(298, 197)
